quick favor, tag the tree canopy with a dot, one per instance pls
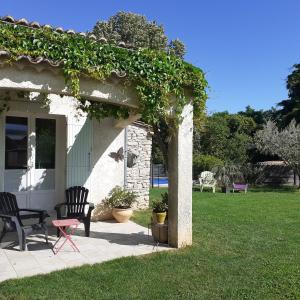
(284, 143)
(261, 116)
(290, 108)
(135, 30)
(225, 136)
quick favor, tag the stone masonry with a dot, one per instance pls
(139, 141)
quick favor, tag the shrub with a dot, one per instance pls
(227, 174)
(205, 163)
(160, 205)
(120, 198)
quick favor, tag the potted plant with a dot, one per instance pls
(160, 209)
(121, 202)
(159, 227)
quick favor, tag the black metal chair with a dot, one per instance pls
(12, 217)
(75, 207)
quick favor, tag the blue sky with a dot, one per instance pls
(246, 48)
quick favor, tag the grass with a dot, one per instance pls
(245, 247)
(142, 217)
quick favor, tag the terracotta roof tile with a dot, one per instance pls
(34, 24)
(38, 60)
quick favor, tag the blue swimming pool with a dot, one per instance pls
(160, 180)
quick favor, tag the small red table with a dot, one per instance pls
(63, 226)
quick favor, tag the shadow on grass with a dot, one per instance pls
(258, 189)
(276, 189)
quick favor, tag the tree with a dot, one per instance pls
(177, 47)
(226, 136)
(291, 107)
(213, 137)
(284, 143)
(136, 31)
(204, 163)
(261, 116)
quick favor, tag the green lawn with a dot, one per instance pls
(245, 247)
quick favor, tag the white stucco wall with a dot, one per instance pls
(24, 76)
(88, 145)
(106, 171)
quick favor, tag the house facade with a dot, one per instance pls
(46, 149)
(47, 144)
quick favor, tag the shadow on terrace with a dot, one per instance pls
(107, 241)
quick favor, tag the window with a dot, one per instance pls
(16, 142)
(45, 143)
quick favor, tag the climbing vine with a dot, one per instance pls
(157, 77)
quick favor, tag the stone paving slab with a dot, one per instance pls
(107, 241)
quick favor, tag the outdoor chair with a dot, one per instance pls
(207, 180)
(76, 207)
(240, 187)
(12, 217)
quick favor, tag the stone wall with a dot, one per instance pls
(139, 141)
(276, 173)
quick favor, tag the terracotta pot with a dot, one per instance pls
(122, 215)
(160, 217)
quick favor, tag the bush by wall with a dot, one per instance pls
(204, 163)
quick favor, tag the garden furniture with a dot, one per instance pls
(240, 187)
(12, 217)
(63, 226)
(76, 207)
(207, 180)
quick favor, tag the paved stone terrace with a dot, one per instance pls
(107, 241)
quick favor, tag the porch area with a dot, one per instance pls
(62, 127)
(107, 241)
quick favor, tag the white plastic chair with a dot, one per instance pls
(207, 180)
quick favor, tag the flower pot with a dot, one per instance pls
(160, 217)
(122, 215)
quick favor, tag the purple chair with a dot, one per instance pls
(240, 187)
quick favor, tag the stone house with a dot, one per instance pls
(139, 146)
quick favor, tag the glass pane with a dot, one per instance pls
(16, 139)
(45, 144)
